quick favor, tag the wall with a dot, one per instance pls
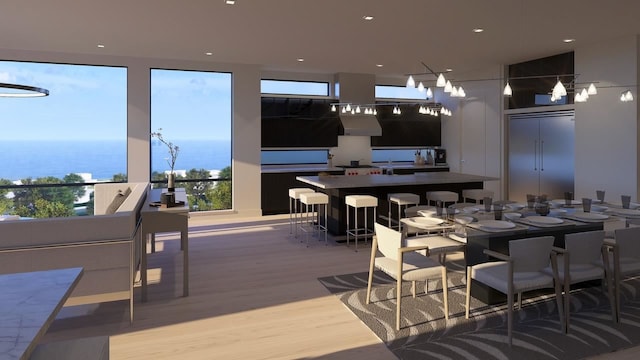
(246, 117)
(473, 135)
(606, 128)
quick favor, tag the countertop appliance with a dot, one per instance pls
(361, 170)
(439, 157)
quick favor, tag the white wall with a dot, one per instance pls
(246, 117)
(473, 135)
(606, 128)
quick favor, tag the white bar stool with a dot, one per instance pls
(444, 196)
(360, 201)
(401, 199)
(294, 199)
(476, 194)
(312, 202)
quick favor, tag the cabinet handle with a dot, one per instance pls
(542, 155)
(535, 155)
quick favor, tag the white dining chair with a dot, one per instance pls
(625, 253)
(403, 264)
(584, 258)
(521, 271)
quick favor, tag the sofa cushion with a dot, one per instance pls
(120, 197)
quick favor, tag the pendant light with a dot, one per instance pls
(429, 93)
(441, 82)
(454, 92)
(420, 86)
(333, 108)
(447, 87)
(358, 109)
(507, 90)
(410, 82)
(348, 107)
(461, 92)
(592, 90)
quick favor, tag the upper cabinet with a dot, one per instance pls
(409, 128)
(299, 122)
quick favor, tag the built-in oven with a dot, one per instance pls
(361, 170)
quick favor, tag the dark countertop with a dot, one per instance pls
(365, 181)
(266, 169)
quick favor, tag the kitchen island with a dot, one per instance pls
(339, 186)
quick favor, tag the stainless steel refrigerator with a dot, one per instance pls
(541, 154)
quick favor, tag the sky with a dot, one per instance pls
(90, 103)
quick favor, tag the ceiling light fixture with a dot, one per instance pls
(448, 87)
(429, 93)
(379, 65)
(411, 83)
(421, 87)
(441, 82)
(208, 53)
(368, 17)
(592, 90)
(300, 59)
(101, 46)
(15, 90)
(626, 96)
(230, 2)
(478, 30)
(568, 40)
(507, 90)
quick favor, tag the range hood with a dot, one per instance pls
(360, 125)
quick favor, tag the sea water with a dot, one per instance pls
(102, 159)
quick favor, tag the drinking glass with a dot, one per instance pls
(487, 203)
(497, 212)
(531, 200)
(568, 196)
(586, 205)
(600, 195)
(451, 211)
(626, 199)
(542, 209)
(439, 208)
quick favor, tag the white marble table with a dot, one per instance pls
(29, 302)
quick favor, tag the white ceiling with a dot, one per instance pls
(330, 34)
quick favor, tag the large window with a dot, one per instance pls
(75, 135)
(283, 87)
(192, 110)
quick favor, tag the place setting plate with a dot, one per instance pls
(562, 202)
(543, 220)
(493, 225)
(427, 221)
(625, 212)
(589, 216)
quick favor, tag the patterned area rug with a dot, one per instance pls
(425, 334)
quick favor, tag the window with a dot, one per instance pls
(395, 155)
(399, 92)
(283, 157)
(192, 110)
(308, 88)
(77, 134)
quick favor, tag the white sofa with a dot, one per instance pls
(107, 246)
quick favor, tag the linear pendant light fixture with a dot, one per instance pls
(15, 90)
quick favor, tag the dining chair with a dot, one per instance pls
(584, 258)
(403, 264)
(625, 251)
(521, 271)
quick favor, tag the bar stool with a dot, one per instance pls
(313, 201)
(294, 199)
(360, 201)
(476, 194)
(444, 196)
(401, 199)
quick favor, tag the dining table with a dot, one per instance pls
(479, 229)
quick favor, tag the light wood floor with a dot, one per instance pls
(254, 295)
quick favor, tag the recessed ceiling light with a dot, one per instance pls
(100, 46)
(379, 65)
(230, 2)
(448, 70)
(569, 40)
(300, 59)
(368, 17)
(478, 30)
(208, 53)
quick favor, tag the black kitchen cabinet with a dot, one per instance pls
(275, 189)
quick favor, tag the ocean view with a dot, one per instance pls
(103, 159)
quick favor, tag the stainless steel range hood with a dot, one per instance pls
(360, 125)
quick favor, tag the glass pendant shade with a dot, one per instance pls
(628, 96)
(592, 89)
(447, 86)
(584, 94)
(461, 92)
(441, 82)
(410, 82)
(333, 108)
(358, 109)
(507, 90)
(429, 93)
(420, 86)
(348, 107)
(454, 92)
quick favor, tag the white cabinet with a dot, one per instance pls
(541, 154)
